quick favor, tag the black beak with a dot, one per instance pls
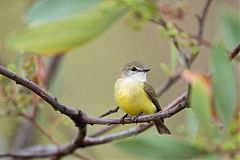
(146, 69)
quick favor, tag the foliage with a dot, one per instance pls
(225, 94)
(18, 99)
(210, 105)
(58, 26)
(229, 28)
(57, 33)
(164, 147)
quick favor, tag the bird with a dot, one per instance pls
(135, 96)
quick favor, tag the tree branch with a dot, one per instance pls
(235, 51)
(43, 151)
(181, 104)
(81, 120)
(66, 110)
(24, 131)
(82, 141)
(110, 112)
(182, 54)
(79, 117)
(39, 127)
(201, 20)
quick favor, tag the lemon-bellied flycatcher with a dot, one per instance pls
(135, 96)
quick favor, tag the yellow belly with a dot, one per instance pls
(131, 97)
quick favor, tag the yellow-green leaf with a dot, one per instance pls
(229, 28)
(224, 84)
(65, 34)
(200, 103)
(53, 10)
(191, 124)
(162, 147)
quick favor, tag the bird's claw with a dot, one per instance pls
(135, 119)
(122, 119)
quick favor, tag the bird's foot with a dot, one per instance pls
(122, 119)
(135, 119)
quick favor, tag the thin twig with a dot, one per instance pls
(79, 117)
(43, 151)
(182, 54)
(110, 112)
(201, 21)
(66, 110)
(76, 115)
(235, 51)
(181, 99)
(48, 151)
(24, 131)
(127, 120)
(106, 128)
(39, 127)
(80, 141)
(199, 38)
(72, 146)
(205, 42)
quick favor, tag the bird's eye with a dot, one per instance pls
(134, 68)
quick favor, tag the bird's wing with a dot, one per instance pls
(149, 90)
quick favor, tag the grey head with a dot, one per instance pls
(135, 70)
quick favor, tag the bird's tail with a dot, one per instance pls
(161, 128)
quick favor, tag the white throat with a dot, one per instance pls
(139, 76)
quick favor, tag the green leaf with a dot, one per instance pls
(65, 34)
(52, 10)
(200, 103)
(229, 28)
(192, 124)
(162, 147)
(173, 57)
(224, 85)
(212, 157)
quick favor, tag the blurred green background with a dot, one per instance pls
(88, 73)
